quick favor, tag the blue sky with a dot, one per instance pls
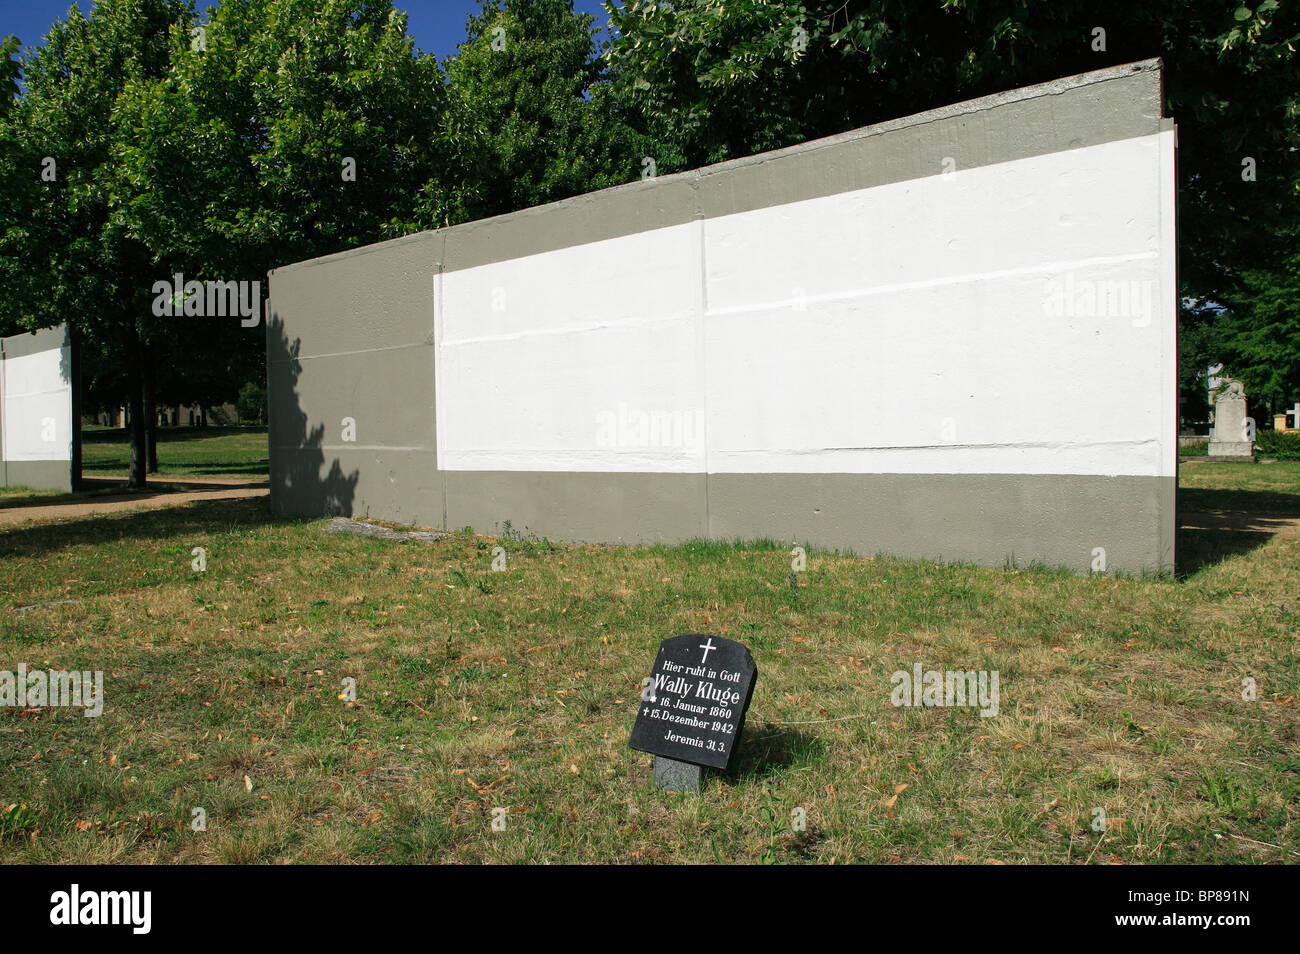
(436, 25)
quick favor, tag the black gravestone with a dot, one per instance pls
(693, 709)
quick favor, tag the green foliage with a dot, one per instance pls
(529, 118)
(64, 253)
(259, 125)
(252, 403)
(10, 69)
(1283, 445)
(1260, 332)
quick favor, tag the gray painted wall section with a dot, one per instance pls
(47, 339)
(351, 335)
(355, 340)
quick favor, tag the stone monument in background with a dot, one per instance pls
(1233, 435)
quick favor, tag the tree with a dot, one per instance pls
(275, 131)
(64, 254)
(286, 129)
(1257, 333)
(530, 117)
(296, 128)
(252, 403)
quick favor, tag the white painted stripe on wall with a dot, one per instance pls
(35, 391)
(914, 327)
(1169, 301)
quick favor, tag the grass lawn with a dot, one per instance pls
(1206, 485)
(182, 452)
(479, 690)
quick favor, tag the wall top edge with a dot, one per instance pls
(692, 178)
(33, 342)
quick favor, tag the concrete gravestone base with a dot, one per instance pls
(674, 776)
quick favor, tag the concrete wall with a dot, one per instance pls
(948, 336)
(36, 410)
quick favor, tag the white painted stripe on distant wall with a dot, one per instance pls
(914, 327)
(36, 402)
(1169, 301)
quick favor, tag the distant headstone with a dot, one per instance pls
(1231, 436)
(693, 707)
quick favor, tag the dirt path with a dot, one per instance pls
(222, 488)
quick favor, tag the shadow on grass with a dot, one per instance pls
(1215, 524)
(1198, 500)
(1201, 547)
(767, 749)
(188, 520)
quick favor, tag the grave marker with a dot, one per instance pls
(693, 707)
(1231, 436)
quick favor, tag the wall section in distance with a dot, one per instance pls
(36, 410)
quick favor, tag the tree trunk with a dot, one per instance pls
(150, 411)
(135, 413)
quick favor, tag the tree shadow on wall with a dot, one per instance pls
(297, 456)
